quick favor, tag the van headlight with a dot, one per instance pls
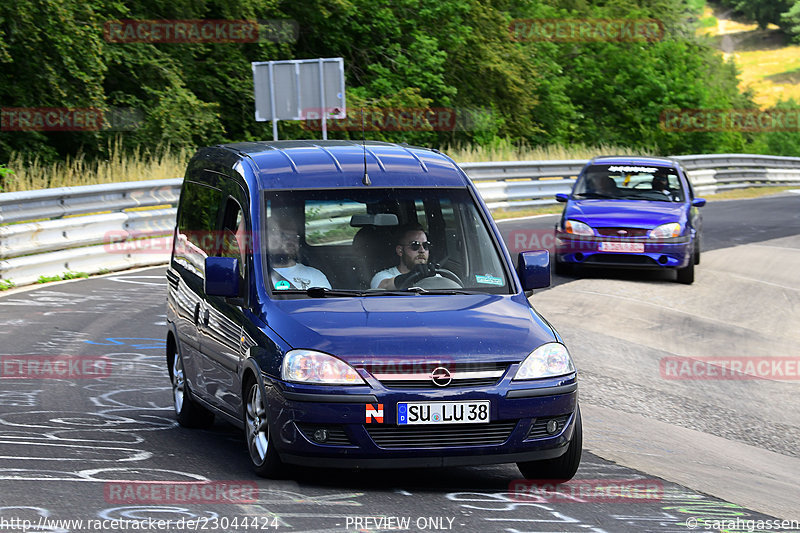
(548, 360)
(308, 366)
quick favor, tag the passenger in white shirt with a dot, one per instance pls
(283, 245)
(413, 249)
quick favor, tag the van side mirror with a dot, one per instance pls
(561, 197)
(222, 277)
(698, 202)
(534, 269)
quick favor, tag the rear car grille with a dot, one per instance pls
(492, 434)
(418, 375)
(336, 434)
(539, 427)
(629, 232)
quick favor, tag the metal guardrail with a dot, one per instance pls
(94, 228)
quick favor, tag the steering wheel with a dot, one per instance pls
(449, 275)
(441, 279)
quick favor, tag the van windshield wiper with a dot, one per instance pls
(420, 290)
(323, 292)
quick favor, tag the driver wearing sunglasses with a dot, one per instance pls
(413, 249)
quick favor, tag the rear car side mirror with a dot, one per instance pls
(698, 202)
(561, 197)
(534, 269)
(222, 277)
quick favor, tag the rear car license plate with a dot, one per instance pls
(631, 247)
(443, 412)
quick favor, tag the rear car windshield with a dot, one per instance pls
(630, 182)
(347, 236)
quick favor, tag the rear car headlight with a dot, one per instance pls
(308, 366)
(548, 360)
(665, 231)
(577, 228)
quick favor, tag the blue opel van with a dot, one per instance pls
(353, 305)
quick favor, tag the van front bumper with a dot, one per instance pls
(321, 428)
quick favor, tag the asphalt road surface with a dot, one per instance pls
(102, 444)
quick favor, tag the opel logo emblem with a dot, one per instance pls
(622, 232)
(441, 377)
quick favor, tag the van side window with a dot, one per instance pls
(235, 237)
(196, 237)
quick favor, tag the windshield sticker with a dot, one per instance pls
(488, 279)
(648, 170)
(282, 285)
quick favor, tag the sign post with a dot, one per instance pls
(297, 89)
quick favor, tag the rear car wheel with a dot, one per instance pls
(561, 469)
(263, 455)
(187, 411)
(686, 274)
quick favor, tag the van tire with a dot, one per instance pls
(263, 455)
(560, 469)
(188, 412)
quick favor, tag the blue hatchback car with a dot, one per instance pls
(353, 305)
(630, 212)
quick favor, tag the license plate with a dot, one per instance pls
(632, 247)
(443, 412)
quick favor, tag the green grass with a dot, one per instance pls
(507, 151)
(65, 276)
(769, 63)
(29, 174)
(25, 174)
(6, 284)
(750, 192)
(709, 22)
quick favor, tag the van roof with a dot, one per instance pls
(329, 164)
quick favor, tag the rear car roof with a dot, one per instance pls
(330, 164)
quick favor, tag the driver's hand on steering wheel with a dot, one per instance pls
(420, 271)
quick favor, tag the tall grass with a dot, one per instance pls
(166, 162)
(163, 162)
(507, 151)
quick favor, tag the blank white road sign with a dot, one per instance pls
(299, 89)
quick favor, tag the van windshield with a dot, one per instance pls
(379, 241)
